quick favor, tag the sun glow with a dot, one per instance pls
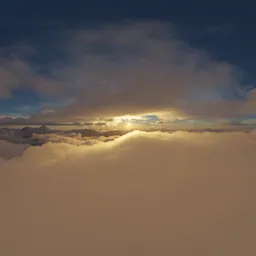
(127, 120)
(142, 120)
(128, 125)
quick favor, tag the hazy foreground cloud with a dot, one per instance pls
(150, 194)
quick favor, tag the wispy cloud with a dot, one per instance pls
(131, 68)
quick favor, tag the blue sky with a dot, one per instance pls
(27, 102)
(32, 32)
(21, 102)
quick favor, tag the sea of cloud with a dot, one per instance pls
(141, 194)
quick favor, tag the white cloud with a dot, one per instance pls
(143, 194)
(130, 68)
(141, 67)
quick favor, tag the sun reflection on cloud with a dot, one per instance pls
(143, 119)
(127, 119)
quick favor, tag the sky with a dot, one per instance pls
(65, 62)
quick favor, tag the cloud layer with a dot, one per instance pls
(142, 194)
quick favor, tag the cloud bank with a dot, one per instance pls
(142, 194)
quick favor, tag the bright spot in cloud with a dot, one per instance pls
(128, 124)
(127, 119)
(144, 119)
